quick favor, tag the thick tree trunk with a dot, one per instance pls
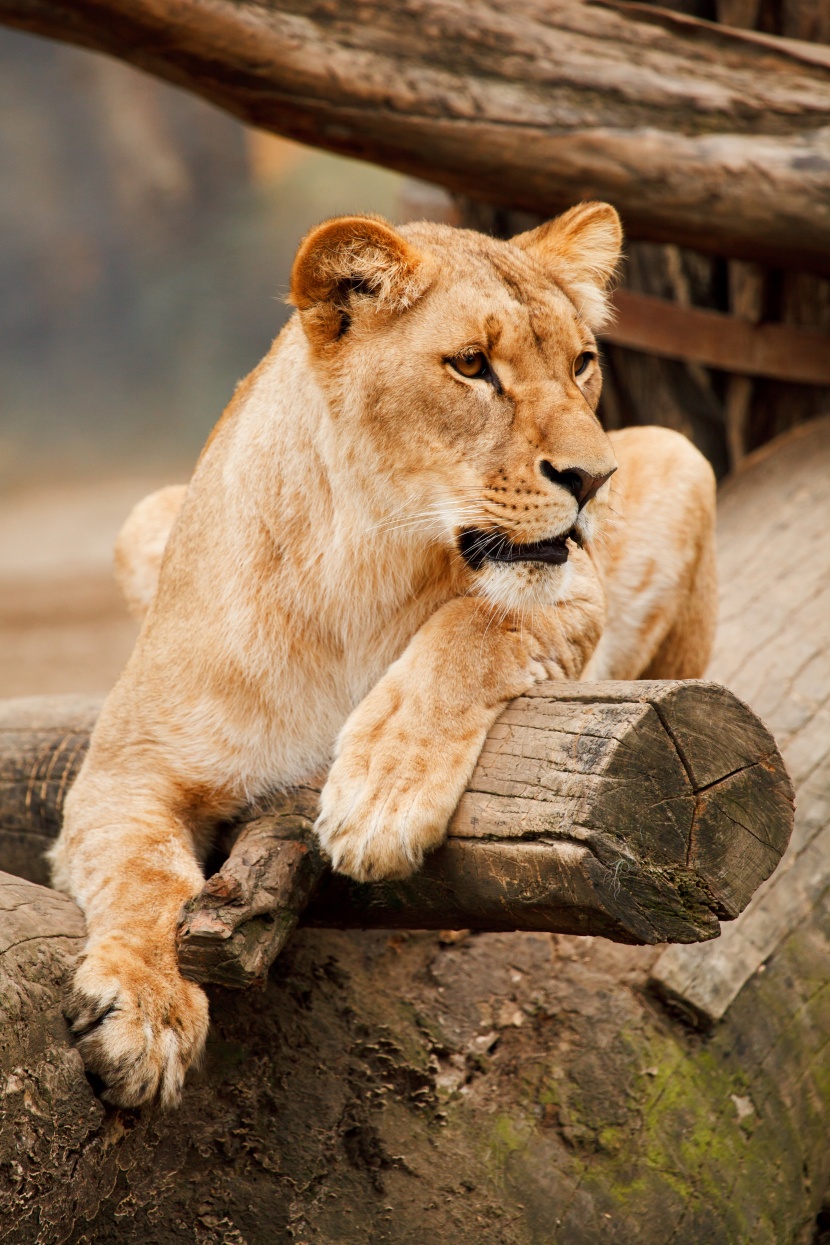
(493, 1089)
(701, 135)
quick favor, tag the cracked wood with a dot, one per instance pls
(643, 812)
(700, 134)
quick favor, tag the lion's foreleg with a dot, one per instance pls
(408, 750)
(127, 854)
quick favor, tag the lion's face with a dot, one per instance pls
(462, 376)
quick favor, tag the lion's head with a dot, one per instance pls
(462, 379)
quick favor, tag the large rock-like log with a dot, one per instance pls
(642, 812)
(504, 1089)
(700, 134)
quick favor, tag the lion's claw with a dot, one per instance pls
(138, 1028)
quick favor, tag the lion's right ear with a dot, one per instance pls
(581, 249)
(348, 263)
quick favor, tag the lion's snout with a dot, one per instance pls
(578, 481)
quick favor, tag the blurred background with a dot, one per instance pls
(146, 242)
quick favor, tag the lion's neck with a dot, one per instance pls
(344, 554)
(302, 584)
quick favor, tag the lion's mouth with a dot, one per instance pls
(478, 547)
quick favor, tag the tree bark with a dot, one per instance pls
(702, 135)
(727, 415)
(640, 811)
(493, 1089)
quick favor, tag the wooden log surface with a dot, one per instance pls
(714, 339)
(773, 643)
(700, 134)
(642, 812)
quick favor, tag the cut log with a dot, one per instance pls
(642, 812)
(700, 134)
(595, 809)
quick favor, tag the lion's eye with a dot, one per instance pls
(582, 361)
(473, 365)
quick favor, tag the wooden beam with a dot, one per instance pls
(604, 808)
(729, 343)
(700, 134)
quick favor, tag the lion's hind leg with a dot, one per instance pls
(684, 652)
(140, 546)
(657, 560)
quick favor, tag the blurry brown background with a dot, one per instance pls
(145, 248)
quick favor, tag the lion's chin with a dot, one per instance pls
(523, 587)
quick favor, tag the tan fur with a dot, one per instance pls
(141, 544)
(313, 604)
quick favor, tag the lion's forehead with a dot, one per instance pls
(543, 327)
(485, 289)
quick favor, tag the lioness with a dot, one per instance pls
(407, 515)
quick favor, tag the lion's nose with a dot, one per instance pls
(579, 482)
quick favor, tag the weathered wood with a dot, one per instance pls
(232, 933)
(605, 808)
(43, 741)
(727, 342)
(627, 788)
(48, 1112)
(774, 643)
(703, 135)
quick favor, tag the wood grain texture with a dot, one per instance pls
(605, 808)
(773, 648)
(627, 790)
(700, 134)
(232, 933)
(713, 339)
(43, 741)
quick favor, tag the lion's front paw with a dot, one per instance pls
(383, 808)
(138, 1027)
(376, 835)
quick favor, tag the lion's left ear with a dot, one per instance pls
(582, 249)
(348, 265)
